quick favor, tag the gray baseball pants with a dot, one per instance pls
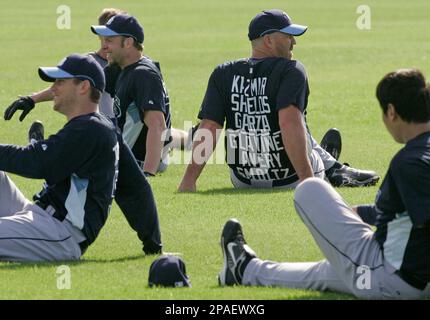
(354, 261)
(29, 233)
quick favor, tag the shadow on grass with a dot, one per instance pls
(4, 265)
(233, 191)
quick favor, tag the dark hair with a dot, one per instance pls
(407, 91)
(108, 13)
(95, 94)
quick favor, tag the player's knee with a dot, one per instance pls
(307, 189)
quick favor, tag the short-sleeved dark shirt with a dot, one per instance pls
(139, 88)
(247, 95)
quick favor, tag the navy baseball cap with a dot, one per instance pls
(168, 271)
(83, 67)
(274, 20)
(120, 25)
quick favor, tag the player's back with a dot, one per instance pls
(247, 95)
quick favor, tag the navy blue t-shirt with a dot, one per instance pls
(402, 210)
(139, 88)
(247, 95)
(80, 166)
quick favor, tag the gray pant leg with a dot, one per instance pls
(11, 198)
(299, 275)
(326, 157)
(34, 235)
(345, 240)
(348, 243)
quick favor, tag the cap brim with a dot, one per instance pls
(294, 29)
(104, 31)
(49, 74)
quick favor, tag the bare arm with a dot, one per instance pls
(156, 124)
(203, 147)
(42, 96)
(294, 139)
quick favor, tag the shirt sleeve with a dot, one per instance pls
(148, 90)
(293, 89)
(212, 107)
(412, 179)
(53, 159)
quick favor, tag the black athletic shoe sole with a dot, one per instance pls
(36, 132)
(332, 142)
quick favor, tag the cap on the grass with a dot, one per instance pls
(274, 20)
(168, 271)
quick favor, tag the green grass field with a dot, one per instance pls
(189, 38)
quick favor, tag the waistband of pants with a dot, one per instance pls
(275, 183)
(83, 245)
(412, 280)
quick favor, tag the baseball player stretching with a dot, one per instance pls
(391, 263)
(134, 195)
(141, 102)
(80, 173)
(263, 100)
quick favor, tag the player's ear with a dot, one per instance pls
(129, 42)
(391, 112)
(267, 40)
(84, 86)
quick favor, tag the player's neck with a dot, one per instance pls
(130, 58)
(262, 53)
(413, 130)
(81, 109)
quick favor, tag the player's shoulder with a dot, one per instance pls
(145, 67)
(146, 63)
(230, 67)
(90, 123)
(292, 66)
(232, 64)
(414, 155)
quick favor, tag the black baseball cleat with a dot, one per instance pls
(342, 175)
(236, 252)
(332, 142)
(36, 132)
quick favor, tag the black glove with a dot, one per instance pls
(112, 72)
(26, 104)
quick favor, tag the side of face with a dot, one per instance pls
(67, 94)
(113, 46)
(281, 44)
